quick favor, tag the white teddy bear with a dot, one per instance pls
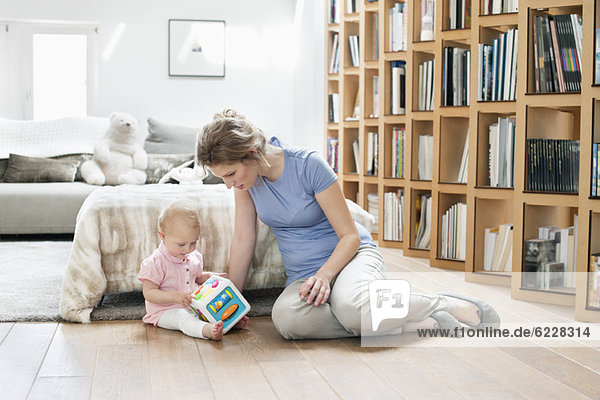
(119, 157)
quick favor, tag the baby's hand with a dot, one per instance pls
(182, 298)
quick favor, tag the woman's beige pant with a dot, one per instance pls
(348, 304)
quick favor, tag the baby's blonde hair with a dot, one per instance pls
(229, 139)
(183, 209)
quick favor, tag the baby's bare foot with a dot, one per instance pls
(213, 331)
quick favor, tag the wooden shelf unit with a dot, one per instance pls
(486, 206)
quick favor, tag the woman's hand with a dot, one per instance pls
(316, 290)
(182, 298)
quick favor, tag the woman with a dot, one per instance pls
(329, 258)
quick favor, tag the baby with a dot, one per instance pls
(174, 271)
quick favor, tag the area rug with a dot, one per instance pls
(31, 277)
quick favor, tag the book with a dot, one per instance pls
(356, 155)
(463, 169)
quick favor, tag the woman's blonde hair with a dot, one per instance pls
(229, 139)
(183, 209)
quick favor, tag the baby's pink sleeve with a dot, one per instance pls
(152, 271)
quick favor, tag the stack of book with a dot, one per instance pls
(497, 250)
(500, 6)
(454, 232)
(423, 226)
(332, 152)
(373, 209)
(398, 87)
(460, 14)
(334, 107)
(425, 157)
(353, 42)
(425, 94)
(334, 61)
(456, 76)
(549, 260)
(498, 68)
(594, 281)
(553, 165)
(393, 213)
(557, 53)
(398, 146)
(372, 153)
(502, 152)
(334, 11)
(398, 27)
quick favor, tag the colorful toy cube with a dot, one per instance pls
(218, 299)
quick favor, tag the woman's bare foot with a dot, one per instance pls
(242, 323)
(464, 311)
(213, 331)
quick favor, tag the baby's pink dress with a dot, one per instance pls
(171, 274)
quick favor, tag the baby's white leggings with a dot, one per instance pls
(184, 320)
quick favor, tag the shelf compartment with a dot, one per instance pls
(372, 204)
(552, 149)
(393, 213)
(347, 153)
(536, 275)
(417, 10)
(419, 90)
(455, 89)
(416, 209)
(484, 121)
(454, 241)
(504, 88)
(372, 96)
(350, 100)
(372, 41)
(420, 128)
(400, 89)
(372, 148)
(453, 135)
(484, 219)
(352, 192)
(592, 297)
(533, 13)
(394, 146)
(389, 4)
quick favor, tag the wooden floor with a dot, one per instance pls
(127, 359)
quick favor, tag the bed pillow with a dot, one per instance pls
(21, 169)
(166, 138)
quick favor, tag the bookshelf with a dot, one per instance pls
(555, 119)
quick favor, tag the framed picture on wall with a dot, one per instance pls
(196, 48)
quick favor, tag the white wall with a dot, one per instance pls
(273, 66)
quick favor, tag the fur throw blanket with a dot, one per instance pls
(117, 229)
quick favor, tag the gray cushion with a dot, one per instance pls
(21, 169)
(170, 139)
(160, 164)
(79, 159)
